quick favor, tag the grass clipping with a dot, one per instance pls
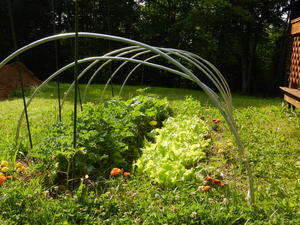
(179, 146)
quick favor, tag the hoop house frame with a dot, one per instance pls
(221, 99)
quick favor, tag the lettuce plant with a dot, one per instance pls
(179, 147)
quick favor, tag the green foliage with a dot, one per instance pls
(18, 92)
(180, 145)
(109, 135)
(269, 130)
(217, 29)
(30, 203)
(189, 107)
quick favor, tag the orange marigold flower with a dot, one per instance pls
(116, 171)
(216, 181)
(216, 120)
(222, 185)
(2, 180)
(126, 174)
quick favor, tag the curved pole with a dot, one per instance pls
(79, 76)
(88, 68)
(217, 72)
(109, 37)
(108, 61)
(177, 52)
(70, 65)
(103, 36)
(199, 65)
(120, 67)
(204, 70)
(241, 149)
(131, 72)
(95, 35)
(190, 59)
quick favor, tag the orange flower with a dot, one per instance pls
(216, 181)
(9, 177)
(222, 185)
(2, 180)
(126, 174)
(116, 171)
(216, 120)
(212, 181)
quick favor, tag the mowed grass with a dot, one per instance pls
(269, 130)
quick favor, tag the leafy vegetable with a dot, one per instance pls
(180, 145)
(109, 135)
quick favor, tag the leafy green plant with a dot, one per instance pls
(180, 146)
(109, 135)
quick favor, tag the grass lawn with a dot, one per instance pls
(270, 132)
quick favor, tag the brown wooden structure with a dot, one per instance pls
(292, 92)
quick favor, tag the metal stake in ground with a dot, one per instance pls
(75, 76)
(13, 34)
(56, 62)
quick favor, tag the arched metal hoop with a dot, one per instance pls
(222, 99)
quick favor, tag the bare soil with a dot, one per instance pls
(10, 79)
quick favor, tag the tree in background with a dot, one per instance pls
(236, 35)
(240, 36)
(31, 20)
(241, 29)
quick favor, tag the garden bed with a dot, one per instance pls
(215, 195)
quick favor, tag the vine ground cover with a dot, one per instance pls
(269, 130)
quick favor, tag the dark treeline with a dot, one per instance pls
(246, 39)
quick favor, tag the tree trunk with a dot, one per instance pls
(247, 59)
(244, 76)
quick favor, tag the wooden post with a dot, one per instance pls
(295, 26)
(294, 77)
(292, 93)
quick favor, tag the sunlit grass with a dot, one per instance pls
(269, 130)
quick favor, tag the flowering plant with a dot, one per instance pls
(117, 171)
(4, 165)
